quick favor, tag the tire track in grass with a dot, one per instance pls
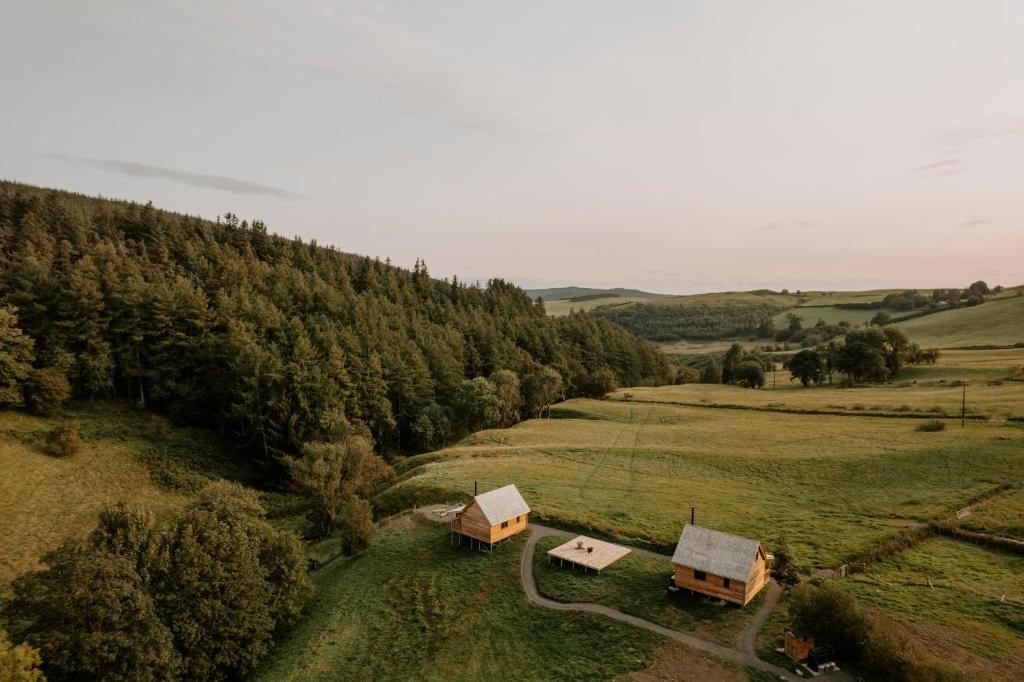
(604, 455)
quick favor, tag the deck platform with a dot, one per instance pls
(589, 553)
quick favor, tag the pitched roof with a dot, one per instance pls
(711, 551)
(501, 504)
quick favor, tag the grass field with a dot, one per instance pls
(565, 306)
(834, 484)
(923, 391)
(44, 499)
(1001, 515)
(415, 608)
(636, 585)
(998, 321)
(964, 603)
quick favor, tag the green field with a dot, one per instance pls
(560, 307)
(965, 603)
(834, 484)
(997, 321)
(636, 584)
(414, 608)
(992, 392)
(1002, 515)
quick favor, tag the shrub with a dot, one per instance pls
(46, 390)
(357, 528)
(19, 663)
(64, 441)
(932, 425)
(158, 427)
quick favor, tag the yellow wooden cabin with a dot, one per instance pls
(720, 565)
(492, 516)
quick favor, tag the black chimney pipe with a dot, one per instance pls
(474, 488)
(693, 516)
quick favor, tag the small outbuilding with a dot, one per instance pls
(492, 516)
(798, 645)
(719, 565)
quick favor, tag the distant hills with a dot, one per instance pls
(565, 293)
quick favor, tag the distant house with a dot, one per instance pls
(492, 516)
(720, 565)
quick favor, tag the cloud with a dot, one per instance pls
(787, 225)
(948, 166)
(222, 183)
(975, 221)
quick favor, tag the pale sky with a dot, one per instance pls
(674, 146)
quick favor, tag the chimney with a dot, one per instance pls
(474, 488)
(693, 516)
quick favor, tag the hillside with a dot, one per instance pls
(565, 293)
(281, 342)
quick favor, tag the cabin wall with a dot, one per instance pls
(714, 586)
(473, 524)
(758, 577)
(515, 525)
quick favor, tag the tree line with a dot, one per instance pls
(220, 323)
(666, 322)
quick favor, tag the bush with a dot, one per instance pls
(158, 427)
(19, 663)
(932, 425)
(357, 528)
(46, 390)
(64, 441)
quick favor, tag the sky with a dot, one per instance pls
(677, 146)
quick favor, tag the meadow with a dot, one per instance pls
(415, 608)
(1001, 515)
(636, 584)
(963, 602)
(994, 389)
(835, 484)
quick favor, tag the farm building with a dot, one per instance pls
(719, 565)
(492, 516)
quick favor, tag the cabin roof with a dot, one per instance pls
(501, 504)
(712, 551)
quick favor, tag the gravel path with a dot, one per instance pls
(744, 655)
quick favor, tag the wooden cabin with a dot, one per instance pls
(492, 516)
(720, 565)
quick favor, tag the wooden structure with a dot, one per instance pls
(798, 646)
(491, 517)
(719, 565)
(588, 553)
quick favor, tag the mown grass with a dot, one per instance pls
(637, 585)
(414, 608)
(565, 306)
(834, 484)
(1002, 515)
(963, 602)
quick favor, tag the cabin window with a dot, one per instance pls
(725, 583)
(504, 524)
(699, 575)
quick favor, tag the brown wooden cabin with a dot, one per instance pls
(492, 516)
(720, 565)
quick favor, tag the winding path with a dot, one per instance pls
(744, 655)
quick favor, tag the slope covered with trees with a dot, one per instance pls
(281, 341)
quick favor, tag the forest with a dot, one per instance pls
(696, 322)
(282, 342)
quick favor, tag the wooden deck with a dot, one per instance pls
(604, 554)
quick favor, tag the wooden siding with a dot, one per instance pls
(738, 592)
(472, 523)
(798, 648)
